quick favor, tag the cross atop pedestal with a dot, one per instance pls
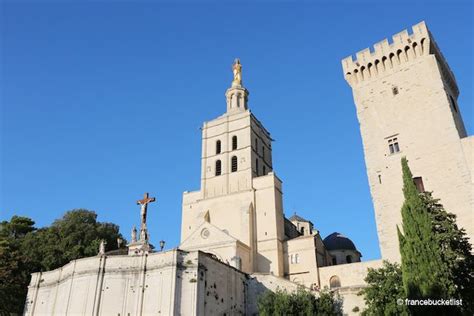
(144, 205)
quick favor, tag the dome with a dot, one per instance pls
(337, 241)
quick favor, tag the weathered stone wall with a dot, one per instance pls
(351, 277)
(168, 283)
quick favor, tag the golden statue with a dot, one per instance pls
(237, 69)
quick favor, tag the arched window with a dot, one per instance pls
(370, 70)
(349, 259)
(401, 56)
(334, 282)
(218, 167)
(393, 60)
(424, 47)
(415, 49)
(378, 66)
(385, 63)
(233, 164)
(234, 142)
(218, 147)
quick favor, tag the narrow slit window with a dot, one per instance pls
(218, 167)
(256, 166)
(218, 147)
(264, 170)
(234, 142)
(233, 164)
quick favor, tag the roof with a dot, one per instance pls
(337, 241)
(298, 218)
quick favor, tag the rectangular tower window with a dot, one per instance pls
(419, 184)
(218, 168)
(256, 166)
(233, 164)
(393, 146)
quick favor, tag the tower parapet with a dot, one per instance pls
(388, 57)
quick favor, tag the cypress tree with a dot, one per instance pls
(424, 274)
(456, 253)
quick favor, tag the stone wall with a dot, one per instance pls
(351, 278)
(174, 282)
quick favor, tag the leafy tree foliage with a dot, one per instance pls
(25, 249)
(384, 288)
(301, 303)
(14, 269)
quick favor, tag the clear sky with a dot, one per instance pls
(102, 101)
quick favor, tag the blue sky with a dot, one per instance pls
(102, 101)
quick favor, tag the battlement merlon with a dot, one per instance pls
(403, 48)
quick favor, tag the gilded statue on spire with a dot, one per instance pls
(237, 69)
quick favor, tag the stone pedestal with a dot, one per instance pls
(139, 248)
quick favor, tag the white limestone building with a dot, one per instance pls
(406, 100)
(235, 239)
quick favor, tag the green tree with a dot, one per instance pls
(384, 288)
(14, 270)
(25, 249)
(424, 274)
(298, 303)
(436, 257)
(455, 252)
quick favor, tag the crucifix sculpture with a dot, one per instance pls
(144, 203)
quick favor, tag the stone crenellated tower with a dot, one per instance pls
(406, 101)
(237, 214)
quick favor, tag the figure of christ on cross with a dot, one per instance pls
(144, 203)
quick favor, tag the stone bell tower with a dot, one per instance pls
(235, 146)
(239, 195)
(406, 100)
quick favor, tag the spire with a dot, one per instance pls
(236, 95)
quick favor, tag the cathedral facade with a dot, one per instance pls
(235, 239)
(237, 215)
